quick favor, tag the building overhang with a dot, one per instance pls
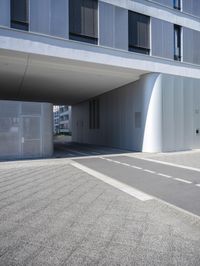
(37, 67)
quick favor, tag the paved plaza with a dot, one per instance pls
(52, 213)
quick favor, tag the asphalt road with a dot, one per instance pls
(175, 185)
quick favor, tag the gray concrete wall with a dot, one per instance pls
(191, 7)
(181, 113)
(113, 26)
(119, 110)
(191, 44)
(26, 130)
(5, 13)
(49, 17)
(162, 38)
(169, 108)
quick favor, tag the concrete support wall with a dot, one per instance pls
(26, 130)
(181, 113)
(125, 117)
(157, 113)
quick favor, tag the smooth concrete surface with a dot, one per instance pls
(53, 214)
(157, 113)
(130, 117)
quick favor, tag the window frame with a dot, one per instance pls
(83, 37)
(137, 48)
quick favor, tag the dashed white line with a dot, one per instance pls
(136, 167)
(183, 180)
(149, 171)
(116, 162)
(167, 176)
(125, 164)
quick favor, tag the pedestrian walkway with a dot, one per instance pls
(52, 213)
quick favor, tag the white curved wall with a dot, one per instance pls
(128, 117)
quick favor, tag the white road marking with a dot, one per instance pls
(162, 162)
(125, 164)
(119, 185)
(136, 167)
(168, 176)
(183, 180)
(116, 162)
(149, 171)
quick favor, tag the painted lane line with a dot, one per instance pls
(183, 180)
(109, 160)
(136, 167)
(117, 184)
(198, 185)
(163, 162)
(116, 162)
(167, 176)
(125, 164)
(149, 171)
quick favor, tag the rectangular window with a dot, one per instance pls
(139, 32)
(177, 42)
(83, 20)
(177, 4)
(19, 14)
(94, 115)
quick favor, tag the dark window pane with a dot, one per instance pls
(19, 14)
(139, 40)
(83, 24)
(177, 42)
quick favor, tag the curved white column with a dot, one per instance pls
(152, 140)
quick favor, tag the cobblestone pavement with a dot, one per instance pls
(54, 214)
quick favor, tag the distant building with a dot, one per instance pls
(62, 119)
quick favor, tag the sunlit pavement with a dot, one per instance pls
(52, 213)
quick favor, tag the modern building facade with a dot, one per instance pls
(62, 119)
(130, 69)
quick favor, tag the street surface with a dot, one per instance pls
(110, 208)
